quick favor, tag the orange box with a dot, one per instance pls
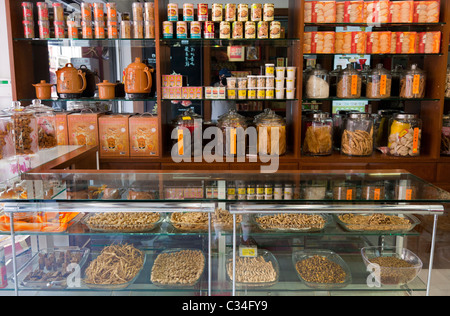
(405, 42)
(426, 11)
(320, 12)
(114, 135)
(429, 43)
(402, 11)
(143, 137)
(350, 43)
(350, 12)
(62, 135)
(377, 11)
(83, 129)
(319, 43)
(378, 42)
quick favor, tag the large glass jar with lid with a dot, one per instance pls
(317, 83)
(445, 137)
(396, 75)
(7, 141)
(187, 134)
(338, 126)
(379, 82)
(381, 128)
(318, 135)
(25, 129)
(405, 134)
(271, 129)
(233, 126)
(413, 83)
(46, 123)
(349, 83)
(357, 135)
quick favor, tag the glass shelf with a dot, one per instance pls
(65, 42)
(373, 100)
(93, 100)
(235, 100)
(381, 55)
(216, 42)
(375, 25)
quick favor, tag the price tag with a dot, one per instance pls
(248, 251)
(415, 148)
(180, 142)
(376, 194)
(349, 194)
(408, 194)
(416, 84)
(354, 84)
(383, 85)
(232, 141)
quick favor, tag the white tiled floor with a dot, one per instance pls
(440, 282)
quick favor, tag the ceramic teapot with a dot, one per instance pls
(71, 82)
(138, 78)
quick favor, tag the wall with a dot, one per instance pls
(5, 73)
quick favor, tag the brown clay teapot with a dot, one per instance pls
(71, 82)
(138, 78)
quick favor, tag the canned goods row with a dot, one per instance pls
(240, 12)
(194, 29)
(253, 191)
(251, 93)
(267, 81)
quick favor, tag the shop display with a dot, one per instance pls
(318, 131)
(357, 136)
(262, 270)
(377, 222)
(138, 79)
(46, 124)
(290, 222)
(190, 221)
(379, 83)
(405, 135)
(123, 221)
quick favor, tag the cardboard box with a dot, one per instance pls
(320, 12)
(426, 11)
(62, 136)
(350, 12)
(114, 135)
(429, 42)
(83, 129)
(172, 80)
(143, 136)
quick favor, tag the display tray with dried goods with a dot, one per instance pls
(178, 268)
(123, 222)
(380, 223)
(292, 222)
(189, 221)
(262, 270)
(116, 267)
(50, 268)
(321, 269)
(223, 220)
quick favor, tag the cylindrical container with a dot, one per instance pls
(25, 130)
(270, 81)
(181, 29)
(263, 29)
(290, 94)
(381, 128)
(242, 93)
(230, 12)
(225, 30)
(317, 83)
(99, 28)
(242, 82)
(349, 83)
(106, 90)
(280, 72)
(87, 30)
(279, 83)
(27, 10)
(172, 12)
(256, 12)
(278, 191)
(188, 12)
(99, 11)
(7, 141)
(86, 11)
(268, 192)
(250, 29)
(242, 12)
(412, 83)
(202, 12)
(43, 14)
(317, 134)
(208, 31)
(373, 191)
(338, 126)
(72, 30)
(345, 190)
(44, 29)
(270, 69)
(288, 192)
(149, 11)
(113, 30)
(357, 136)
(46, 123)
(378, 84)
(251, 93)
(217, 12)
(314, 189)
(252, 81)
(260, 81)
(138, 29)
(138, 11)
(445, 136)
(279, 93)
(229, 124)
(275, 29)
(111, 12)
(60, 31)
(268, 12)
(291, 72)
(405, 135)
(271, 134)
(270, 93)
(125, 29)
(28, 29)
(231, 93)
(196, 29)
(238, 30)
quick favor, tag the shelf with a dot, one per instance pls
(375, 25)
(235, 100)
(371, 100)
(65, 42)
(376, 157)
(93, 100)
(380, 55)
(216, 42)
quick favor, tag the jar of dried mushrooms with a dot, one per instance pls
(318, 131)
(357, 136)
(412, 83)
(379, 82)
(405, 135)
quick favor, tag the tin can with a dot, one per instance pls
(72, 30)
(181, 29)
(242, 12)
(230, 12)
(250, 29)
(196, 29)
(86, 29)
(42, 11)
(113, 30)
(209, 30)
(167, 29)
(99, 28)
(188, 12)
(111, 12)
(202, 12)
(44, 29)
(27, 9)
(58, 12)
(149, 29)
(138, 29)
(99, 12)
(217, 12)
(149, 11)
(60, 31)
(263, 29)
(225, 30)
(256, 12)
(172, 12)
(28, 29)
(275, 29)
(268, 12)
(86, 11)
(138, 11)
(3, 274)
(238, 30)
(125, 29)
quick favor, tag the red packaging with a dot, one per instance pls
(209, 29)
(202, 12)
(44, 29)
(378, 42)
(319, 43)
(406, 42)
(320, 12)
(429, 42)
(350, 43)
(42, 11)
(59, 29)
(350, 12)
(426, 11)
(27, 9)
(28, 29)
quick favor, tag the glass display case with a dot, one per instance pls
(77, 224)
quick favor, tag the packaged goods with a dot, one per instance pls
(172, 12)
(320, 12)
(275, 29)
(217, 12)
(404, 42)
(111, 12)
(350, 43)
(238, 30)
(114, 135)
(208, 30)
(230, 12)
(268, 12)
(181, 29)
(263, 29)
(242, 12)
(202, 12)
(405, 135)
(167, 29)
(83, 129)
(426, 11)
(143, 136)
(376, 11)
(250, 29)
(319, 43)
(28, 29)
(196, 29)
(256, 12)
(43, 14)
(350, 12)
(188, 12)
(429, 43)
(401, 11)
(378, 42)
(99, 11)
(58, 12)
(61, 129)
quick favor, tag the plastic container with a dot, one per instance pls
(317, 83)
(392, 275)
(377, 223)
(357, 135)
(413, 83)
(271, 130)
(349, 83)
(379, 83)
(338, 126)
(405, 134)
(318, 135)
(25, 130)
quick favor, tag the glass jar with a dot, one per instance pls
(271, 129)
(445, 138)
(338, 126)
(25, 130)
(357, 135)
(317, 83)
(334, 79)
(379, 83)
(405, 190)
(314, 189)
(318, 135)
(188, 127)
(381, 128)
(46, 123)
(230, 124)
(412, 83)
(373, 190)
(405, 133)
(345, 190)
(7, 140)
(349, 83)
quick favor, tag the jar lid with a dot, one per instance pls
(318, 115)
(106, 83)
(406, 116)
(388, 112)
(350, 70)
(271, 118)
(359, 115)
(232, 119)
(379, 70)
(318, 71)
(414, 69)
